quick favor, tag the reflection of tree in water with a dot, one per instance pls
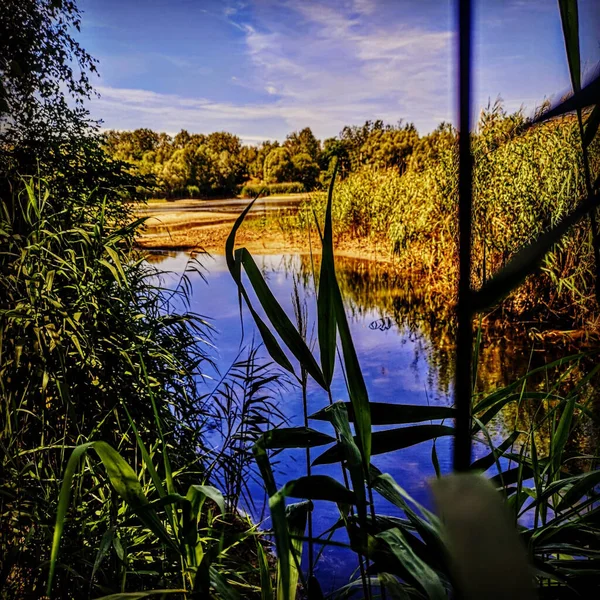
(158, 256)
(506, 353)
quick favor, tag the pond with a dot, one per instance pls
(404, 344)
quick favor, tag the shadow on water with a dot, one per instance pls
(404, 339)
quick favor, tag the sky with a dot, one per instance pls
(263, 68)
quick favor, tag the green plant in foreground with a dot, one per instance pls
(191, 529)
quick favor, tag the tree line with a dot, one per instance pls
(219, 164)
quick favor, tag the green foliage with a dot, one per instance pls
(81, 322)
(278, 166)
(190, 528)
(217, 164)
(303, 142)
(415, 554)
(273, 189)
(197, 165)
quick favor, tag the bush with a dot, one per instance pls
(89, 340)
(193, 191)
(272, 189)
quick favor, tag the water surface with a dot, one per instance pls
(404, 344)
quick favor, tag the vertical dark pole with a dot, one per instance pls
(464, 336)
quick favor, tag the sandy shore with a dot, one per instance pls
(196, 225)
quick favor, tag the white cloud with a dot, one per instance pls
(346, 68)
(321, 64)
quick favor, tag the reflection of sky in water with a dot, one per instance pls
(394, 368)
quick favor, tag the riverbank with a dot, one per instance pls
(203, 226)
(274, 233)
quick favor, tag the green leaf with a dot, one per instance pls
(266, 585)
(561, 435)
(411, 567)
(338, 416)
(296, 518)
(387, 413)
(123, 479)
(427, 525)
(485, 462)
(295, 437)
(111, 268)
(330, 304)
(221, 586)
(197, 494)
(584, 484)
(510, 476)
(588, 96)
(262, 461)
(591, 126)
(115, 258)
(390, 440)
(64, 500)
(230, 242)
(327, 283)
(357, 390)
(528, 258)
(280, 321)
(570, 25)
(105, 544)
(125, 482)
(234, 264)
(140, 595)
(318, 487)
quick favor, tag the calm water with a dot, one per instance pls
(404, 344)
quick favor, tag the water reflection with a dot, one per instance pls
(388, 303)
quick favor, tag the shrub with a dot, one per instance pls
(272, 189)
(193, 191)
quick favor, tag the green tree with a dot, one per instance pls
(257, 167)
(306, 170)
(303, 142)
(278, 166)
(390, 147)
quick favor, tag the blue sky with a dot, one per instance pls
(263, 68)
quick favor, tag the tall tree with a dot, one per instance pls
(303, 142)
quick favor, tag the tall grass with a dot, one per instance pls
(523, 184)
(97, 354)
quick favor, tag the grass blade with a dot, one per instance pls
(387, 413)
(296, 517)
(280, 321)
(528, 258)
(266, 585)
(295, 437)
(140, 595)
(588, 96)
(390, 440)
(123, 479)
(411, 567)
(325, 305)
(318, 487)
(570, 24)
